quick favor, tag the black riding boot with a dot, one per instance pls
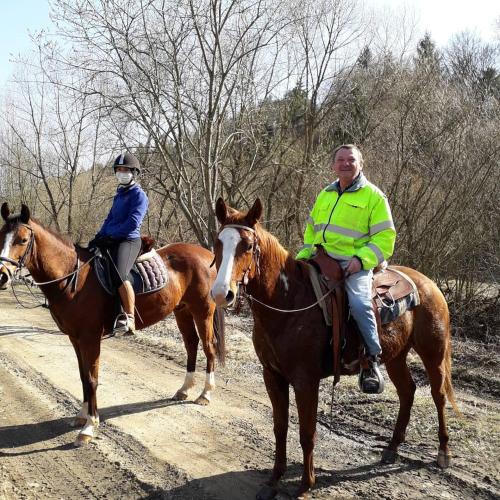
(371, 380)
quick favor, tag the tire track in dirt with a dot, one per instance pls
(37, 461)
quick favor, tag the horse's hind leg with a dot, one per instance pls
(90, 348)
(401, 377)
(277, 388)
(187, 328)
(436, 370)
(81, 417)
(204, 323)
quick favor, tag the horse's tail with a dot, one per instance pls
(448, 386)
(219, 331)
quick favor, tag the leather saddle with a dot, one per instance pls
(393, 293)
(149, 273)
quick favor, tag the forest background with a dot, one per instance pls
(248, 98)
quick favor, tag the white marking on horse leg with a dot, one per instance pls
(209, 386)
(230, 238)
(87, 432)
(81, 416)
(189, 383)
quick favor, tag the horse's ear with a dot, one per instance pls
(254, 213)
(221, 210)
(5, 210)
(25, 214)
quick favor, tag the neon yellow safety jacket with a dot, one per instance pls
(356, 222)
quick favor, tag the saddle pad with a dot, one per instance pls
(152, 271)
(149, 273)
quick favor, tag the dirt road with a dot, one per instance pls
(151, 447)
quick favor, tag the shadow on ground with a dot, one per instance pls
(17, 436)
(244, 485)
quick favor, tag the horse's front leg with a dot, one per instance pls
(306, 396)
(90, 351)
(204, 323)
(277, 388)
(81, 417)
(190, 338)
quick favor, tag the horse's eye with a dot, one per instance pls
(24, 240)
(247, 245)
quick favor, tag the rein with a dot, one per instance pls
(321, 299)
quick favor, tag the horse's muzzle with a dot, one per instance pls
(223, 297)
(4, 280)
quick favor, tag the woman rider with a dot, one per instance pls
(120, 233)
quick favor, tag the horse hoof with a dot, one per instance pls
(78, 422)
(179, 396)
(388, 456)
(266, 493)
(202, 400)
(82, 440)
(443, 459)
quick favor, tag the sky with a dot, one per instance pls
(442, 18)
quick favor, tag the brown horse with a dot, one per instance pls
(294, 348)
(84, 312)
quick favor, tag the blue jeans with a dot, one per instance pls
(359, 292)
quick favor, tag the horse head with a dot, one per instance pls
(16, 239)
(236, 250)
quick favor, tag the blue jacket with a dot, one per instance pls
(124, 220)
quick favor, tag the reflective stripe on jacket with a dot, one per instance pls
(356, 222)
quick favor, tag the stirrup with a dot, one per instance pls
(124, 324)
(371, 380)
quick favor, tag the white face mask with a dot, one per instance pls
(124, 177)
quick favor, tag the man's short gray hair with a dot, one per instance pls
(349, 146)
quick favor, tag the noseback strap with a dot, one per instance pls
(239, 226)
(9, 260)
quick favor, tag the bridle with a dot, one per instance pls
(255, 253)
(21, 262)
(256, 259)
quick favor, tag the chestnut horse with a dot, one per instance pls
(294, 348)
(85, 312)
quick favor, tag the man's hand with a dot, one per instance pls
(353, 266)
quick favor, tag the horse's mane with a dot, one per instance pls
(65, 240)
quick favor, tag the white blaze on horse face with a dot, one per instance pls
(3, 266)
(229, 237)
(7, 244)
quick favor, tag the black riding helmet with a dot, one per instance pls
(127, 160)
